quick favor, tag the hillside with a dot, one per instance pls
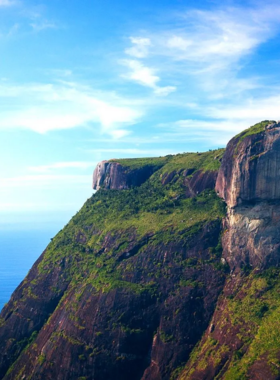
(169, 271)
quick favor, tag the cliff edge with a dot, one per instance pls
(125, 174)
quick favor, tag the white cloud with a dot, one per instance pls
(207, 48)
(47, 107)
(221, 34)
(140, 73)
(146, 77)
(164, 91)
(178, 42)
(140, 47)
(119, 133)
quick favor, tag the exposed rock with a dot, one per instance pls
(200, 181)
(250, 169)
(113, 175)
(252, 238)
(168, 177)
(249, 180)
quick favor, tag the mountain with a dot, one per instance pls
(169, 271)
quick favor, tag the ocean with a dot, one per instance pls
(18, 252)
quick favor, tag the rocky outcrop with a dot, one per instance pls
(250, 169)
(113, 175)
(248, 180)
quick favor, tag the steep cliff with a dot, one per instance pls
(249, 182)
(157, 277)
(125, 174)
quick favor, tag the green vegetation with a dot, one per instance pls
(198, 161)
(252, 316)
(163, 213)
(136, 163)
(257, 128)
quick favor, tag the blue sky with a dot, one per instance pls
(85, 81)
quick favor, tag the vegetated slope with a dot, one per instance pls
(127, 288)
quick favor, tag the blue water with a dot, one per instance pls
(18, 252)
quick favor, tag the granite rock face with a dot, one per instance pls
(248, 180)
(250, 169)
(113, 175)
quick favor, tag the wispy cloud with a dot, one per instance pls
(40, 25)
(47, 107)
(209, 48)
(221, 35)
(146, 76)
(140, 48)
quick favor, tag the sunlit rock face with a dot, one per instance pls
(249, 180)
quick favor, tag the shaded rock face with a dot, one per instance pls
(112, 175)
(249, 180)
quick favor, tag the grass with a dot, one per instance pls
(257, 128)
(136, 163)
